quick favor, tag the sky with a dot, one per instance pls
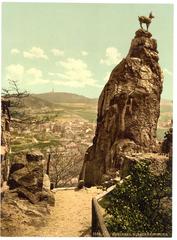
(74, 47)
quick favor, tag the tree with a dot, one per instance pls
(64, 168)
(13, 93)
(14, 96)
(10, 98)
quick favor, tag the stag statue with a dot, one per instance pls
(146, 20)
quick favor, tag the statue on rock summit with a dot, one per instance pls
(146, 20)
(128, 111)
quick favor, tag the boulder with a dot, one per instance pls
(16, 166)
(19, 215)
(46, 182)
(47, 196)
(26, 177)
(24, 193)
(30, 176)
(23, 177)
(158, 163)
(34, 156)
(105, 178)
(80, 184)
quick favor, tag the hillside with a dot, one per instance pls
(35, 102)
(59, 104)
(62, 97)
(51, 98)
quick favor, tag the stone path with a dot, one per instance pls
(71, 216)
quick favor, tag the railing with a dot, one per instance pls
(98, 225)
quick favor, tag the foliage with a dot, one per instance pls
(135, 206)
(167, 142)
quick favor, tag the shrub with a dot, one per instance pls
(137, 205)
(167, 142)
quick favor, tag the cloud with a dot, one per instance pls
(35, 52)
(15, 51)
(106, 78)
(84, 53)
(34, 72)
(166, 71)
(15, 72)
(30, 76)
(51, 74)
(74, 73)
(57, 52)
(112, 56)
(34, 76)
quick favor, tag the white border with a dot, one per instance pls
(96, 1)
(174, 93)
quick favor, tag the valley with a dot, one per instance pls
(64, 127)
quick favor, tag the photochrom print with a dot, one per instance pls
(86, 119)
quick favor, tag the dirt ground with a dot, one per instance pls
(71, 216)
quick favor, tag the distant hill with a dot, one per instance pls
(52, 98)
(166, 115)
(35, 102)
(62, 97)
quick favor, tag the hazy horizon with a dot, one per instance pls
(31, 93)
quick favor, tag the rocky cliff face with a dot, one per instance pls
(26, 200)
(5, 141)
(128, 109)
(26, 177)
(26, 204)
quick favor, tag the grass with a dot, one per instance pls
(87, 115)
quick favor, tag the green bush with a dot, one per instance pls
(167, 142)
(135, 206)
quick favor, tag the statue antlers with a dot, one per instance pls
(146, 20)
